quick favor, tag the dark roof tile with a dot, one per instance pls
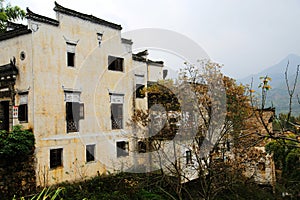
(36, 17)
(14, 33)
(8, 70)
(142, 59)
(126, 41)
(91, 18)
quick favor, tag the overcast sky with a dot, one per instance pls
(246, 36)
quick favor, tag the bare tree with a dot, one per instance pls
(283, 141)
(210, 111)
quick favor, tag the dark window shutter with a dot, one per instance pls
(69, 114)
(117, 116)
(56, 157)
(22, 113)
(81, 111)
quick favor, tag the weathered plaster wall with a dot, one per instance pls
(90, 76)
(155, 72)
(140, 69)
(12, 48)
(45, 75)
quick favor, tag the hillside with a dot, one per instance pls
(278, 95)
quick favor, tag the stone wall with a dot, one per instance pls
(17, 178)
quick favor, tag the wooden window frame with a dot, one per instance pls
(70, 59)
(74, 113)
(138, 91)
(117, 116)
(90, 150)
(122, 148)
(56, 158)
(188, 156)
(115, 63)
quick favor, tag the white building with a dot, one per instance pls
(73, 81)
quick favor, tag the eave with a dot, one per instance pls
(8, 71)
(91, 18)
(148, 61)
(14, 33)
(126, 41)
(39, 18)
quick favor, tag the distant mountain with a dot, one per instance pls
(278, 95)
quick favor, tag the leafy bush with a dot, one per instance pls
(286, 155)
(17, 144)
(126, 186)
(45, 194)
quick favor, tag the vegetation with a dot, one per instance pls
(292, 124)
(284, 142)
(209, 111)
(9, 13)
(203, 91)
(286, 155)
(218, 175)
(140, 187)
(16, 162)
(46, 193)
(16, 145)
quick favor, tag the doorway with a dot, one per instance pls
(4, 115)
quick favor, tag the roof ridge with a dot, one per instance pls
(40, 18)
(15, 25)
(9, 69)
(22, 30)
(136, 57)
(74, 13)
(127, 41)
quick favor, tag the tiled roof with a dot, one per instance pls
(12, 25)
(126, 41)
(22, 30)
(36, 17)
(8, 70)
(142, 59)
(91, 18)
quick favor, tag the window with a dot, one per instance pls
(81, 111)
(117, 101)
(71, 54)
(4, 115)
(56, 158)
(139, 85)
(142, 147)
(261, 166)
(115, 63)
(74, 112)
(228, 145)
(90, 153)
(23, 113)
(116, 116)
(188, 155)
(70, 59)
(23, 108)
(139, 93)
(99, 38)
(22, 55)
(122, 149)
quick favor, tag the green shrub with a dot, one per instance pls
(45, 194)
(17, 144)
